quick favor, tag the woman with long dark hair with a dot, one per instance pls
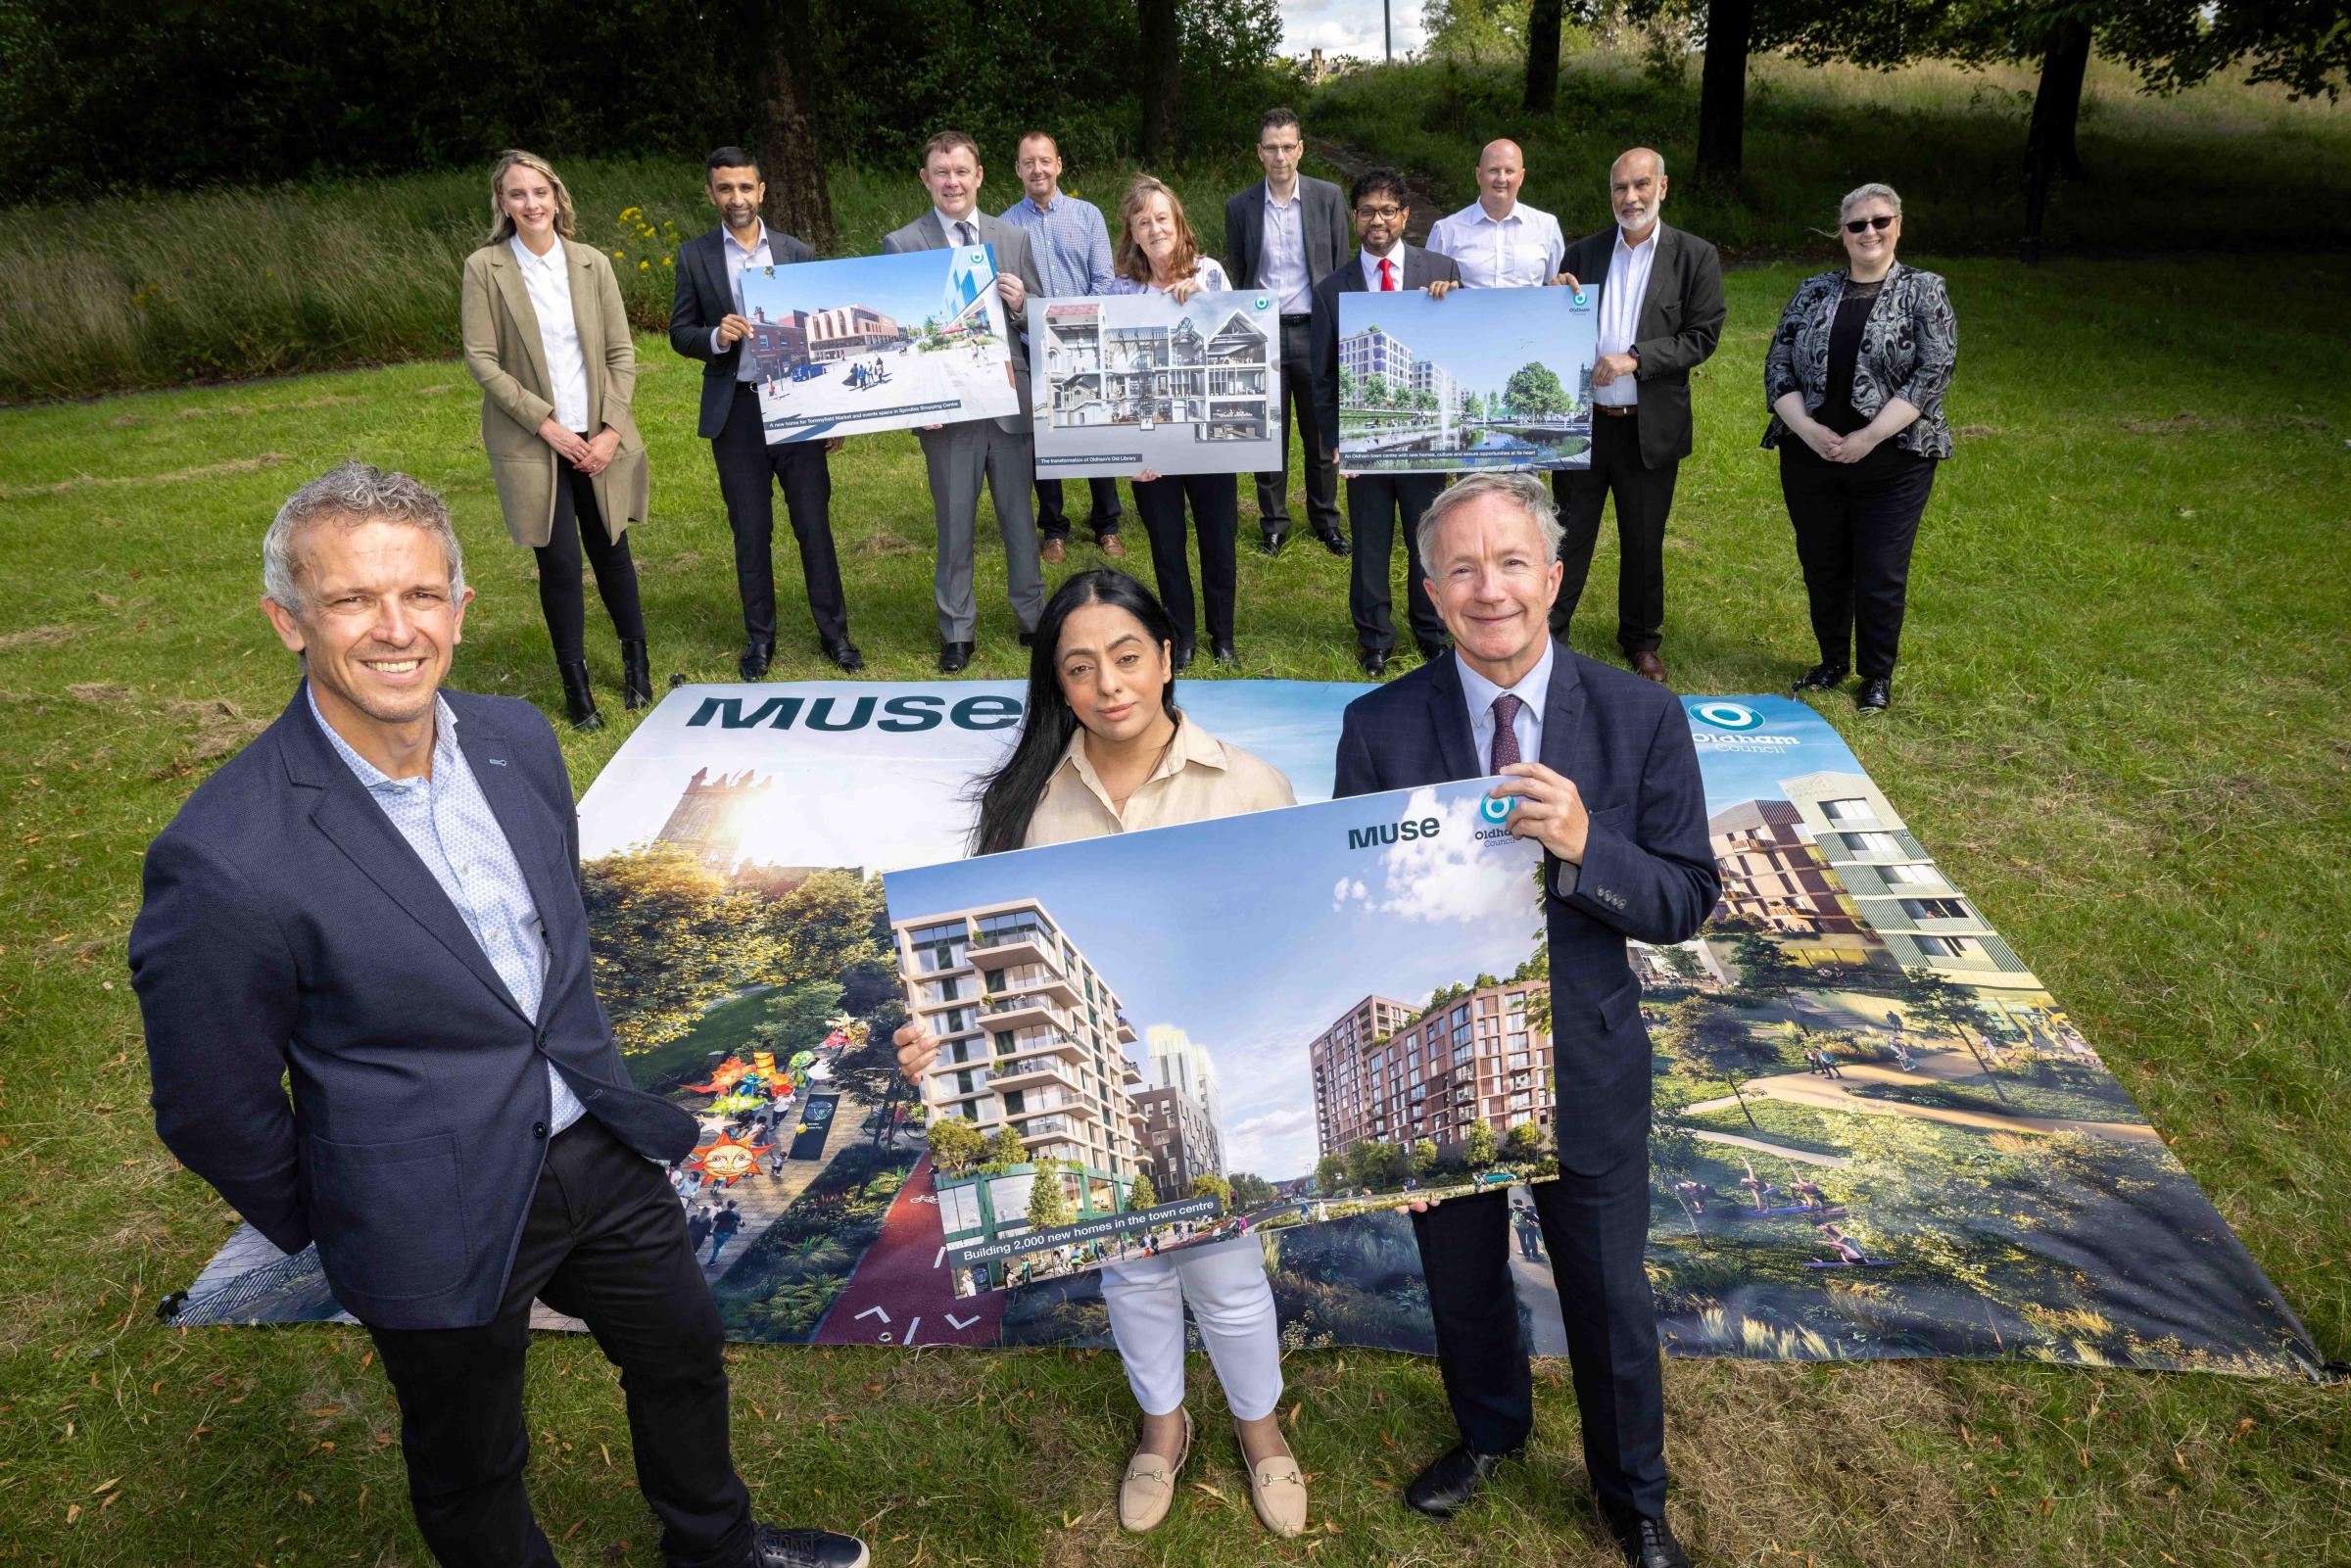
(1104, 749)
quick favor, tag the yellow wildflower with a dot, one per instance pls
(618, 255)
(669, 261)
(643, 266)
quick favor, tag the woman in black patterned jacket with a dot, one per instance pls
(1857, 374)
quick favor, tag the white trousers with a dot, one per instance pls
(1231, 1301)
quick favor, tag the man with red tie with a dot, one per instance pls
(1383, 206)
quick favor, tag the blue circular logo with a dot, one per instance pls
(1497, 809)
(1729, 715)
(1579, 298)
(1263, 302)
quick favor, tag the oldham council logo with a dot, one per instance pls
(1733, 716)
(1497, 808)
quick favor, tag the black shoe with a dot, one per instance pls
(579, 700)
(1185, 648)
(1876, 695)
(636, 675)
(1224, 652)
(1372, 661)
(953, 657)
(1451, 1479)
(843, 652)
(1334, 541)
(1649, 1544)
(756, 655)
(1026, 639)
(1822, 676)
(1272, 541)
(771, 1548)
(1430, 652)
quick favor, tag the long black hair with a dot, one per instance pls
(1009, 796)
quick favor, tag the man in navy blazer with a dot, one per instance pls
(706, 323)
(1377, 502)
(1605, 776)
(379, 899)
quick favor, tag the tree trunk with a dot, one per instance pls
(1162, 80)
(2049, 145)
(1722, 87)
(1741, 1099)
(790, 151)
(1542, 57)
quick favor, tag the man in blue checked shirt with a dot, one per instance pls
(1072, 257)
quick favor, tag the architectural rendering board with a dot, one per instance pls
(1482, 378)
(1133, 381)
(878, 342)
(1054, 995)
(1876, 1132)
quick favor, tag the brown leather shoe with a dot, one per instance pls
(1112, 547)
(1056, 551)
(1649, 667)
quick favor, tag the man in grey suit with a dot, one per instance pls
(1002, 450)
(1284, 235)
(1377, 502)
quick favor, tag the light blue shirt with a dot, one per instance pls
(1071, 244)
(736, 259)
(447, 820)
(1479, 694)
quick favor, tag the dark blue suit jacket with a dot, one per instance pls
(704, 297)
(288, 930)
(1649, 871)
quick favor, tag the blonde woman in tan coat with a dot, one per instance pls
(546, 338)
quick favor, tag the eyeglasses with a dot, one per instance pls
(1380, 214)
(1881, 222)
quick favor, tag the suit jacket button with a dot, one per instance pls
(538, 1129)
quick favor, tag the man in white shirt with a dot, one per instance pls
(1661, 316)
(1497, 241)
(1283, 236)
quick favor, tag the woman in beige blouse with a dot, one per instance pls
(1104, 749)
(546, 338)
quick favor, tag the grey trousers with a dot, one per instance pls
(959, 457)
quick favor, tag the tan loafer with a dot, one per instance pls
(1149, 1487)
(1277, 1490)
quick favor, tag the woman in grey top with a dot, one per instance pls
(1855, 376)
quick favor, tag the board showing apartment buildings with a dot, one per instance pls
(1135, 381)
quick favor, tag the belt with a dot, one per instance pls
(1616, 410)
(1302, 316)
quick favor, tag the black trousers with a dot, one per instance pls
(1644, 497)
(1054, 523)
(1856, 524)
(1297, 405)
(1597, 1228)
(579, 526)
(604, 1242)
(1379, 507)
(747, 469)
(1216, 505)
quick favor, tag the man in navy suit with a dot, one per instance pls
(1605, 776)
(1375, 502)
(707, 323)
(379, 898)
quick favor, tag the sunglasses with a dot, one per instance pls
(1882, 223)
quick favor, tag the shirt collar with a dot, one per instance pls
(1476, 212)
(1190, 745)
(738, 245)
(552, 262)
(1531, 689)
(946, 225)
(371, 777)
(1283, 207)
(1394, 252)
(1649, 244)
(1038, 208)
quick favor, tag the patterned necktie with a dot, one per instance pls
(1387, 277)
(1505, 732)
(963, 231)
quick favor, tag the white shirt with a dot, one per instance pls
(1281, 256)
(1620, 308)
(1520, 249)
(547, 279)
(1370, 266)
(947, 225)
(736, 259)
(1479, 694)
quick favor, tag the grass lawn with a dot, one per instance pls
(1798, 1126)
(2118, 724)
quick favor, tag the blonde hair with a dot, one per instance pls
(502, 226)
(1133, 261)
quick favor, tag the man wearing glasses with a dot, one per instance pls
(1284, 235)
(1660, 314)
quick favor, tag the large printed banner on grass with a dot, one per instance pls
(1876, 1133)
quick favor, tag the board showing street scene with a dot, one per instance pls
(1482, 378)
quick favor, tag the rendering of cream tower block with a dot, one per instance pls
(1031, 1039)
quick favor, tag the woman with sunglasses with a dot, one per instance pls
(1105, 749)
(1855, 374)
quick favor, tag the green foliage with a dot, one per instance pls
(1140, 1194)
(799, 1019)
(1703, 1039)
(1249, 1189)
(1479, 1145)
(1004, 1147)
(1522, 1142)
(1208, 1184)
(1048, 1203)
(955, 1144)
(1425, 1158)
(1331, 1173)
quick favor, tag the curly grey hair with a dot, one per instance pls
(352, 493)
(1527, 492)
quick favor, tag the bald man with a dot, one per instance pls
(1497, 241)
(1661, 316)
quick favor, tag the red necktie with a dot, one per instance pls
(1387, 277)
